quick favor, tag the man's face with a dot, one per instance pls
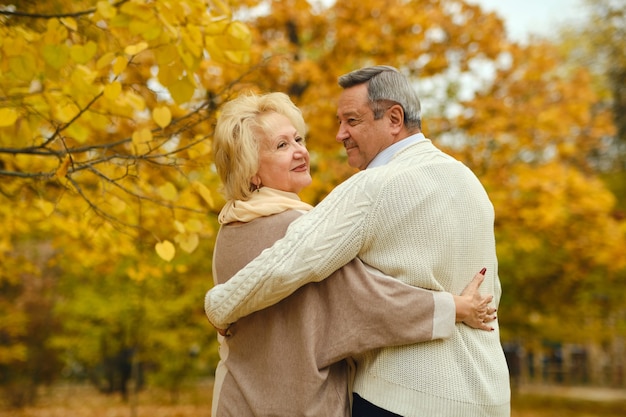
(361, 135)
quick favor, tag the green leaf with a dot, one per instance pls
(56, 55)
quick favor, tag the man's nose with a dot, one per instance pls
(342, 134)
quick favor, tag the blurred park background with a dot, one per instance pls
(108, 197)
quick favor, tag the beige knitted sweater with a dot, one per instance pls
(425, 219)
(288, 360)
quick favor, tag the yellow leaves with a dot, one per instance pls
(216, 28)
(112, 91)
(23, 66)
(117, 204)
(135, 100)
(220, 8)
(231, 45)
(105, 9)
(140, 140)
(182, 90)
(55, 55)
(556, 206)
(187, 58)
(192, 39)
(187, 237)
(239, 34)
(162, 116)
(170, 68)
(142, 136)
(8, 117)
(105, 60)
(136, 9)
(55, 32)
(204, 192)
(168, 191)
(187, 242)
(62, 170)
(120, 65)
(82, 80)
(11, 325)
(200, 149)
(179, 226)
(69, 23)
(165, 250)
(193, 225)
(86, 84)
(136, 48)
(148, 29)
(15, 352)
(81, 54)
(66, 112)
(46, 207)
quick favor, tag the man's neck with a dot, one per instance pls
(387, 154)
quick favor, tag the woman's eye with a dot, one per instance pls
(300, 139)
(281, 145)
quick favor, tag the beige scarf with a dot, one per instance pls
(264, 202)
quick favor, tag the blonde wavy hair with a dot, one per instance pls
(239, 131)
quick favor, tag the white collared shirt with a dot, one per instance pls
(386, 154)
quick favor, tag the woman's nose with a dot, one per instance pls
(300, 151)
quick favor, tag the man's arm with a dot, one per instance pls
(315, 245)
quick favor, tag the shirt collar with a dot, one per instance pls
(386, 154)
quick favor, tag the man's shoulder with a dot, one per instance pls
(423, 149)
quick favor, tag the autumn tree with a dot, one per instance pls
(533, 136)
(105, 121)
(602, 49)
(599, 45)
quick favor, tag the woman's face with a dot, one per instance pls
(283, 157)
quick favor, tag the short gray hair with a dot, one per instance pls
(386, 84)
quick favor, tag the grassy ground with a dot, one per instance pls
(534, 405)
(84, 401)
(550, 401)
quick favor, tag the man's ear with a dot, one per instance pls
(396, 117)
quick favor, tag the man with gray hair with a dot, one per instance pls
(412, 212)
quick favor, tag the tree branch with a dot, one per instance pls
(20, 174)
(55, 16)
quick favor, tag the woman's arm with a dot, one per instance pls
(358, 309)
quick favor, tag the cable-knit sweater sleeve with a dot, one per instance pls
(315, 245)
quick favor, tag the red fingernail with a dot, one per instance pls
(482, 271)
